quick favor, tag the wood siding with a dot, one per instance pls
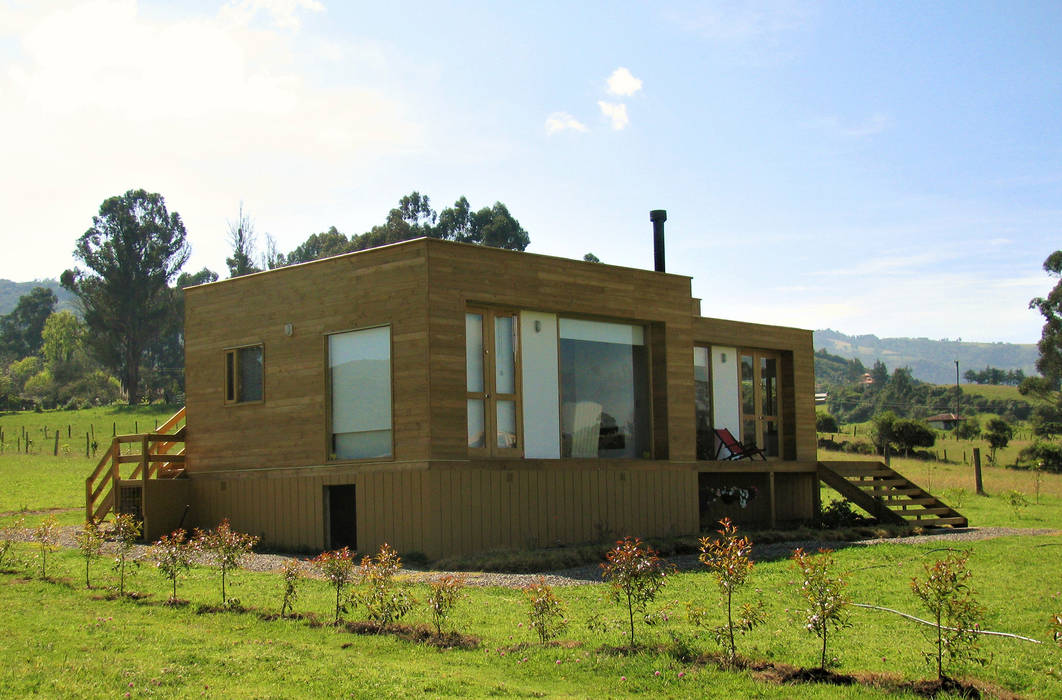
(266, 465)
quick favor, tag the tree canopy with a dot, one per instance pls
(414, 217)
(132, 251)
(20, 330)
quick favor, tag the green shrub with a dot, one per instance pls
(825, 594)
(292, 577)
(338, 569)
(545, 613)
(46, 535)
(946, 594)
(225, 548)
(635, 575)
(124, 533)
(728, 558)
(825, 423)
(385, 600)
(1048, 454)
(443, 594)
(90, 541)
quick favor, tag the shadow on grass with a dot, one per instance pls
(420, 634)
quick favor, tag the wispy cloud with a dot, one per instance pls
(616, 113)
(562, 121)
(622, 83)
(283, 14)
(874, 124)
(743, 21)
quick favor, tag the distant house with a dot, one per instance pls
(944, 421)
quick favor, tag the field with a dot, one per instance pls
(58, 639)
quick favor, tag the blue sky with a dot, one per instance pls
(887, 168)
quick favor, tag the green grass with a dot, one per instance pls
(59, 640)
(999, 391)
(41, 480)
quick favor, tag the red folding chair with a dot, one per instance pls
(735, 446)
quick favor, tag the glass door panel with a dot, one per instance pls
(760, 417)
(492, 383)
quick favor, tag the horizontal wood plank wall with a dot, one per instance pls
(384, 286)
(463, 275)
(448, 509)
(798, 368)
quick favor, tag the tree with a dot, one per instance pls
(590, 257)
(968, 429)
(320, 245)
(20, 330)
(825, 423)
(909, 433)
(883, 429)
(61, 338)
(635, 575)
(1049, 363)
(998, 433)
(879, 373)
(242, 238)
(134, 248)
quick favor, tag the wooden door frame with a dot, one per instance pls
(489, 395)
(757, 415)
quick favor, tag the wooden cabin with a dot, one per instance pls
(449, 398)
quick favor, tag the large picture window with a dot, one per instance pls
(604, 387)
(359, 365)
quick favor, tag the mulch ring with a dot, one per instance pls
(420, 634)
(784, 674)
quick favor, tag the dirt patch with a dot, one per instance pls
(420, 634)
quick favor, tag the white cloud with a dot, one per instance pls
(616, 113)
(622, 83)
(283, 14)
(562, 121)
(874, 124)
(742, 21)
(199, 108)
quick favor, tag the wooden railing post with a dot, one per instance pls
(144, 458)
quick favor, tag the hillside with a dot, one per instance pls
(11, 291)
(930, 360)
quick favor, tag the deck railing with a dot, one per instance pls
(158, 454)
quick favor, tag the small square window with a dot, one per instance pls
(243, 374)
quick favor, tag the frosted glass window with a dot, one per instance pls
(360, 366)
(504, 355)
(474, 351)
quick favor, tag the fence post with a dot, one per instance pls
(86, 444)
(977, 471)
(55, 449)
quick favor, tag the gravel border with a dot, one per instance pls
(591, 573)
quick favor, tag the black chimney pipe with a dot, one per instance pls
(658, 217)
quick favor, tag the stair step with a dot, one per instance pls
(926, 511)
(956, 521)
(882, 483)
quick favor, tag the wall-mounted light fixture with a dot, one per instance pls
(722, 356)
(538, 326)
(289, 329)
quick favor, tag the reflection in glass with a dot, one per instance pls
(604, 379)
(703, 403)
(250, 364)
(769, 386)
(476, 429)
(748, 388)
(770, 438)
(506, 415)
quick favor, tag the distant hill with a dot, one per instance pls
(11, 291)
(930, 360)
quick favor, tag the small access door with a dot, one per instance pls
(342, 517)
(761, 420)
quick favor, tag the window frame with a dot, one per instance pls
(489, 394)
(329, 453)
(231, 372)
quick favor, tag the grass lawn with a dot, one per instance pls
(58, 639)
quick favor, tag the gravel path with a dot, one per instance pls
(589, 574)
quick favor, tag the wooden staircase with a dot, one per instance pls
(159, 454)
(888, 495)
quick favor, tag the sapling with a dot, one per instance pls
(125, 531)
(825, 594)
(443, 594)
(1056, 628)
(225, 548)
(545, 613)
(172, 555)
(46, 534)
(8, 535)
(384, 600)
(635, 575)
(728, 558)
(338, 569)
(90, 541)
(946, 594)
(292, 577)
